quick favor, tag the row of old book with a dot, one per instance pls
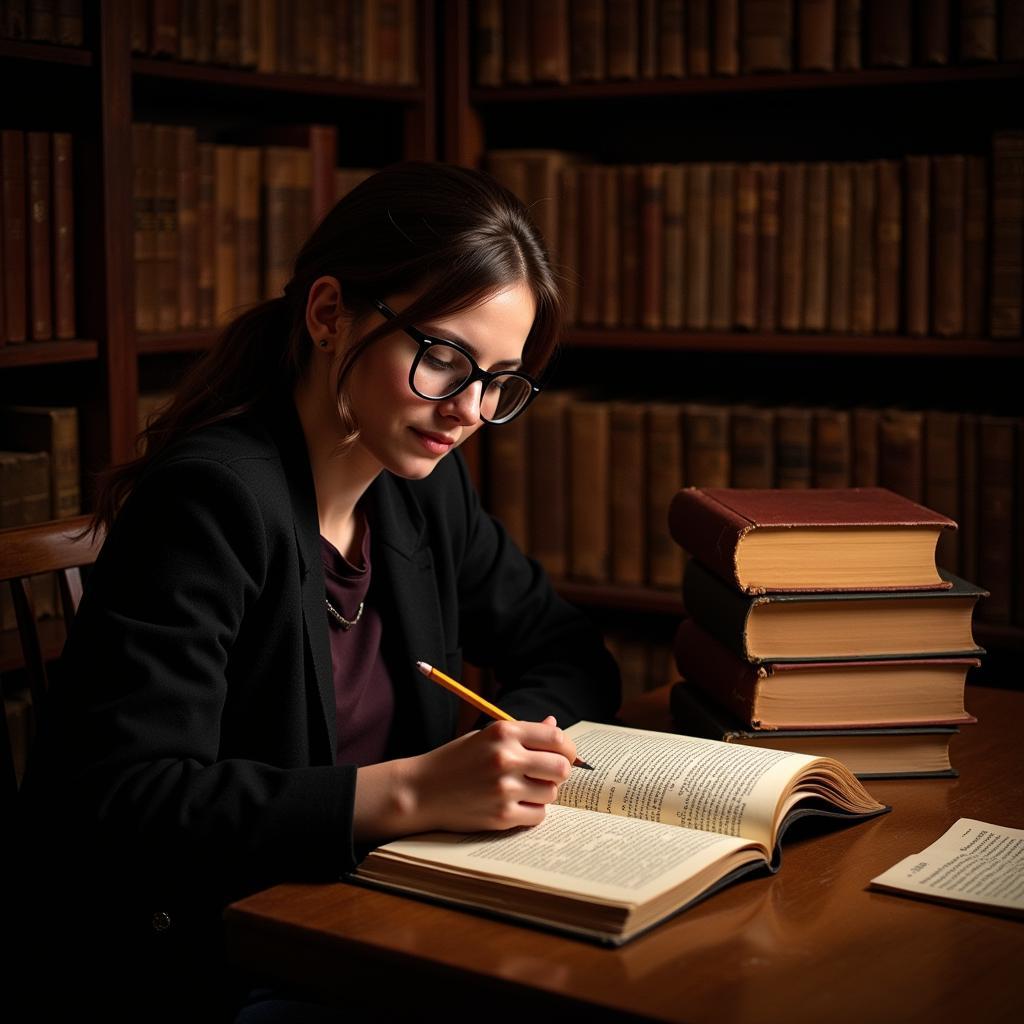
(217, 226)
(923, 245)
(521, 42)
(37, 253)
(371, 41)
(582, 484)
(819, 622)
(42, 21)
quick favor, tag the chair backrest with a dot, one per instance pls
(55, 547)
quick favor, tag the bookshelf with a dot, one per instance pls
(867, 114)
(96, 92)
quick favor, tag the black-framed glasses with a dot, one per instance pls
(442, 369)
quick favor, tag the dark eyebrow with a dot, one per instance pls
(504, 364)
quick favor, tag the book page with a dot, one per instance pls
(577, 852)
(974, 862)
(680, 780)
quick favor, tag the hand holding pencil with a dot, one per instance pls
(475, 699)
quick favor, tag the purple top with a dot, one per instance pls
(364, 698)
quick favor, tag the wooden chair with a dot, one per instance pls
(26, 552)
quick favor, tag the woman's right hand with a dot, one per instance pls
(496, 778)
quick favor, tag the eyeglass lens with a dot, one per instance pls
(442, 370)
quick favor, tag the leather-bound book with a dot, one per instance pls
(164, 40)
(266, 55)
(707, 445)
(188, 30)
(726, 37)
(792, 240)
(516, 27)
(901, 452)
(1011, 31)
(752, 445)
(652, 262)
(969, 490)
(998, 525)
(388, 45)
(15, 20)
(918, 244)
(548, 482)
(649, 38)
(587, 39)
(978, 31)
(723, 246)
(767, 42)
(622, 20)
(144, 227)
(248, 227)
(840, 247)
(226, 220)
(589, 496)
(889, 245)
(592, 214)
(205, 32)
(698, 246)
(508, 471)
(627, 477)
(833, 448)
(849, 36)
(746, 246)
(949, 193)
(816, 32)
(165, 152)
(612, 270)
(674, 234)
(207, 233)
(889, 32)
(227, 30)
(549, 44)
(815, 288)
(51, 429)
(672, 39)
(864, 274)
(665, 470)
(942, 479)
(976, 246)
(69, 25)
(249, 33)
(38, 166)
(865, 446)
(630, 244)
(64, 239)
(569, 239)
(698, 38)
(304, 40)
(278, 172)
(933, 32)
(1007, 279)
(768, 247)
(188, 228)
(850, 539)
(794, 448)
(408, 42)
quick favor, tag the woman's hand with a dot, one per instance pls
(496, 778)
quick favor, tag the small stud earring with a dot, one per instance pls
(323, 343)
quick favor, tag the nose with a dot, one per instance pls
(465, 406)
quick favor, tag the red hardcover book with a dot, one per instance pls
(762, 540)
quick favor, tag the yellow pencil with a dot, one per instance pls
(475, 699)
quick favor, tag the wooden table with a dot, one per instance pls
(811, 943)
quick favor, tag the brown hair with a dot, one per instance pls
(453, 234)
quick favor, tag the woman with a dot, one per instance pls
(238, 701)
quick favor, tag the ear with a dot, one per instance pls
(326, 316)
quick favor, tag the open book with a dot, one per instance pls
(660, 822)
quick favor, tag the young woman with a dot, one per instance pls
(238, 702)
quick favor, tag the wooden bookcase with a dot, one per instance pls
(96, 92)
(784, 117)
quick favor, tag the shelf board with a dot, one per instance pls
(807, 344)
(802, 81)
(149, 67)
(176, 341)
(20, 50)
(40, 353)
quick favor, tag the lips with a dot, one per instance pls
(436, 444)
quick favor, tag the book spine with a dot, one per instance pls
(672, 39)
(652, 206)
(707, 445)
(698, 246)
(589, 490)
(226, 220)
(1007, 234)
(589, 58)
(188, 228)
(865, 447)
(165, 154)
(550, 40)
(548, 469)
(623, 39)
(698, 36)
(508, 478)
(969, 491)
(997, 442)
(627, 472)
(976, 268)
(592, 214)
(833, 449)
(753, 446)
(888, 33)
(612, 269)
(726, 32)
(889, 242)
(569, 239)
(729, 681)
(716, 607)
(848, 35)
(768, 248)
(863, 289)
(723, 236)
(247, 227)
(840, 247)
(665, 464)
(39, 231)
(516, 26)
(488, 37)
(706, 529)
(144, 221)
(63, 239)
(942, 480)
(206, 233)
(629, 200)
(948, 186)
(978, 36)
(767, 35)
(901, 452)
(933, 33)
(918, 235)
(746, 246)
(817, 35)
(815, 283)
(794, 448)
(674, 235)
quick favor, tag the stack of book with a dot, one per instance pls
(819, 622)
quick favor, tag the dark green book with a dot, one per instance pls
(812, 626)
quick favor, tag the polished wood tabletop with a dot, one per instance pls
(811, 943)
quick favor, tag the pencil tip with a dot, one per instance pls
(583, 764)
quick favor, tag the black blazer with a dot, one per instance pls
(192, 728)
